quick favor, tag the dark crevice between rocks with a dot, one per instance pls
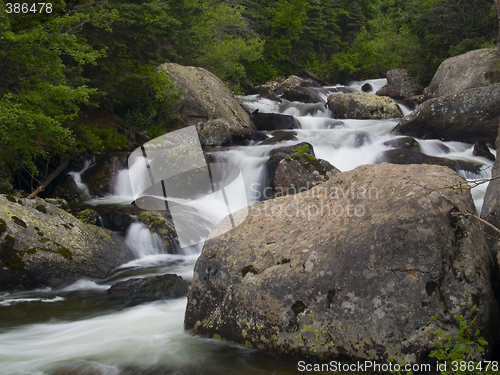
(18, 221)
(299, 307)
(248, 269)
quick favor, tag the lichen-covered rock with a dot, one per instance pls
(353, 268)
(135, 291)
(204, 97)
(466, 117)
(473, 69)
(361, 105)
(399, 85)
(42, 245)
(216, 133)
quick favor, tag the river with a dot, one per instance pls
(77, 330)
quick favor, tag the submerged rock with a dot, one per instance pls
(42, 245)
(353, 268)
(407, 143)
(361, 105)
(466, 117)
(135, 291)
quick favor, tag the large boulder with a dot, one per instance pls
(470, 70)
(296, 89)
(353, 268)
(467, 117)
(204, 97)
(361, 105)
(42, 245)
(399, 85)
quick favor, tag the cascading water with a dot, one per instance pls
(77, 177)
(75, 331)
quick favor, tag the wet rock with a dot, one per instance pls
(367, 87)
(353, 268)
(334, 124)
(136, 291)
(399, 85)
(43, 245)
(100, 178)
(470, 70)
(161, 223)
(480, 149)
(244, 137)
(360, 105)
(273, 121)
(204, 97)
(409, 156)
(404, 143)
(466, 117)
(358, 139)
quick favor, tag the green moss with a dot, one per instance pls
(3, 226)
(301, 150)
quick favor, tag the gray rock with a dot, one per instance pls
(361, 105)
(353, 268)
(204, 97)
(42, 245)
(466, 117)
(473, 69)
(216, 133)
(6, 187)
(274, 121)
(400, 85)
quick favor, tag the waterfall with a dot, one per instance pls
(143, 242)
(77, 177)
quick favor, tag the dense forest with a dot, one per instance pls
(81, 75)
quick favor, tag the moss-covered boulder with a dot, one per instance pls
(161, 223)
(353, 268)
(361, 105)
(43, 245)
(294, 169)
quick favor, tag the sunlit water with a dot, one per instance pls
(78, 330)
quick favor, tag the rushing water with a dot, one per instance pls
(78, 330)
